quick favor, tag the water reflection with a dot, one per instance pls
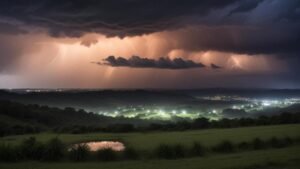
(100, 145)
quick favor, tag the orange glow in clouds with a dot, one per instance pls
(66, 61)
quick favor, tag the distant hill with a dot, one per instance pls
(18, 118)
(93, 100)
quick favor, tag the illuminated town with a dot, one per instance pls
(213, 112)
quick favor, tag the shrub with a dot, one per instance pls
(197, 149)
(297, 139)
(9, 153)
(164, 151)
(280, 143)
(224, 147)
(130, 153)
(79, 152)
(258, 144)
(275, 142)
(288, 141)
(244, 146)
(31, 149)
(179, 151)
(170, 151)
(54, 150)
(106, 155)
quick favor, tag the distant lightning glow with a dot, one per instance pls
(236, 63)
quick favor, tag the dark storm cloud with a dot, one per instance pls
(88, 42)
(161, 63)
(127, 17)
(111, 17)
(245, 6)
(6, 28)
(243, 40)
(266, 26)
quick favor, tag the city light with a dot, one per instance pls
(155, 112)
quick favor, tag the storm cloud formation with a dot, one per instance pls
(214, 66)
(161, 63)
(238, 26)
(217, 33)
(111, 17)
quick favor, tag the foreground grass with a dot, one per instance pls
(288, 158)
(148, 141)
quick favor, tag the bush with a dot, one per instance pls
(258, 144)
(54, 150)
(244, 146)
(224, 147)
(106, 155)
(79, 152)
(164, 151)
(9, 153)
(169, 151)
(275, 142)
(197, 149)
(31, 149)
(130, 153)
(179, 151)
(288, 141)
(280, 143)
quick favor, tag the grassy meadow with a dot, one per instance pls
(150, 140)
(274, 158)
(287, 158)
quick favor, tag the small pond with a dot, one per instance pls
(100, 145)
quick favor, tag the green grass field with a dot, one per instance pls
(148, 141)
(287, 158)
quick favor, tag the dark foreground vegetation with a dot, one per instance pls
(56, 150)
(17, 118)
